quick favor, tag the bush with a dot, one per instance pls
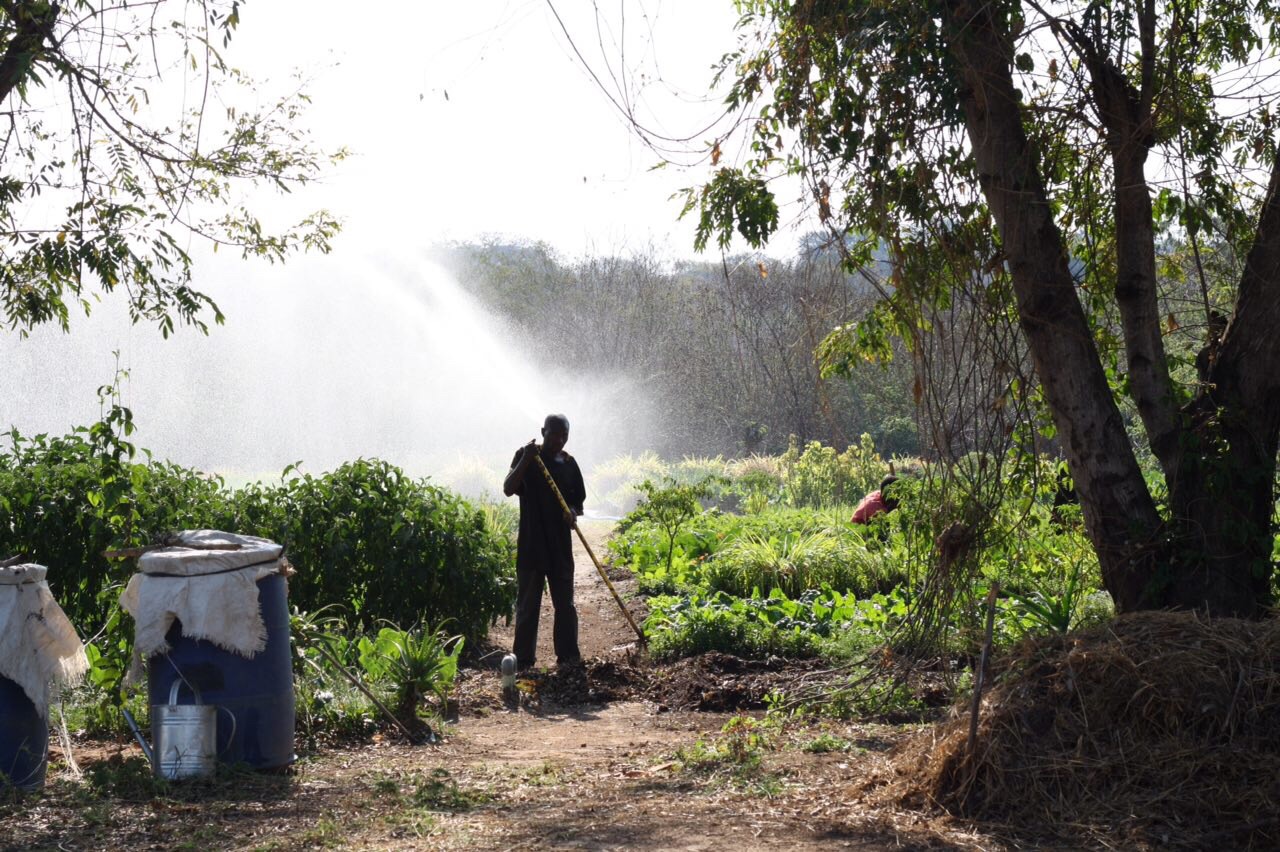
(898, 436)
(365, 537)
(757, 481)
(819, 476)
(52, 512)
(386, 546)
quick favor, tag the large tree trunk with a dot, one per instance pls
(1223, 501)
(1214, 551)
(1119, 513)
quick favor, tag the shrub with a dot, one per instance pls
(386, 546)
(757, 481)
(898, 436)
(819, 476)
(50, 496)
(365, 536)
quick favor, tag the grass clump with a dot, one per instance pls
(735, 756)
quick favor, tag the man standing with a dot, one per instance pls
(544, 549)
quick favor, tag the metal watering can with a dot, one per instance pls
(186, 736)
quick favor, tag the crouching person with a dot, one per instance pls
(878, 502)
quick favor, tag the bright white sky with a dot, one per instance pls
(474, 118)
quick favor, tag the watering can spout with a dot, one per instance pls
(142, 741)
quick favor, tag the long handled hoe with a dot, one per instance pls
(573, 520)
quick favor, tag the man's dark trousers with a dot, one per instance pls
(564, 633)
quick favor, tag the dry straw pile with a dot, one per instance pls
(1159, 729)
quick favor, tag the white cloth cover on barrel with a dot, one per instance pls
(214, 593)
(39, 647)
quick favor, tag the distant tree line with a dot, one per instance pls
(725, 350)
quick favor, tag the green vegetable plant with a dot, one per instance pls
(1051, 606)
(735, 755)
(415, 662)
(826, 743)
(670, 505)
(810, 625)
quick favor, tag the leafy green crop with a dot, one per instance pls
(791, 549)
(684, 625)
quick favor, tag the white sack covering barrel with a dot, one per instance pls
(214, 593)
(39, 647)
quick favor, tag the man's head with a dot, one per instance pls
(889, 496)
(555, 432)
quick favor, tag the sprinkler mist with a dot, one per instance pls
(322, 361)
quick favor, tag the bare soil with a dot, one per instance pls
(618, 755)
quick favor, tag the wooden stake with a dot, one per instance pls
(980, 675)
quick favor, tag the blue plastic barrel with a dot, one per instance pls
(24, 739)
(258, 691)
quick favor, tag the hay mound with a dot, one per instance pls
(1164, 727)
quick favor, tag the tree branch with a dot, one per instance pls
(1249, 357)
(32, 27)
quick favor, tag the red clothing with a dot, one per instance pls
(871, 505)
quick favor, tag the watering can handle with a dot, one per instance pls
(232, 717)
(177, 684)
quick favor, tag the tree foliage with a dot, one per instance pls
(123, 139)
(1102, 178)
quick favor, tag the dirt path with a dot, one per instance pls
(610, 775)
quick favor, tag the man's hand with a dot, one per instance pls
(515, 476)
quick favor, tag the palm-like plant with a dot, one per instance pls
(417, 662)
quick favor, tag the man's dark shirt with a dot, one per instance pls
(546, 538)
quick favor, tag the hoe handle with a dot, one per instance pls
(573, 521)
